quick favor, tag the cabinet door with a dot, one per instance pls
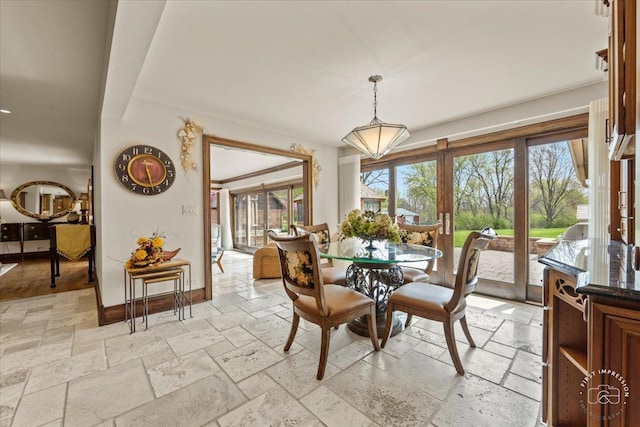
(615, 348)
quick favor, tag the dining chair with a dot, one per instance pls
(441, 303)
(425, 235)
(330, 273)
(325, 305)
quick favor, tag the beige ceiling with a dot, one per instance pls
(300, 68)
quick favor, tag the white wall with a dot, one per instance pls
(12, 176)
(124, 216)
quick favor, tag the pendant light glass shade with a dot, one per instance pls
(376, 138)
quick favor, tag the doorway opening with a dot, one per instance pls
(252, 189)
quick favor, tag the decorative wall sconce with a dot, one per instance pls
(300, 149)
(187, 136)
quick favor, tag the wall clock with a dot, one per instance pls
(145, 170)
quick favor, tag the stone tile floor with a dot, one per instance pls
(226, 367)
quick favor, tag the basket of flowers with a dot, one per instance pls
(370, 226)
(149, 252)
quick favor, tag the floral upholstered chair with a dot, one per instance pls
(325, 305)
(441, 303)
(330, 274)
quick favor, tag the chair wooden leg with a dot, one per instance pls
(388, 324)
(373, 330)
(407, 323)
(294, 329)
(467, 333)
(451, 344)
(324, 351)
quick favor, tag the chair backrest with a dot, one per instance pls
(467, 274)
(300, 267)
(425, 235)
(321, 232)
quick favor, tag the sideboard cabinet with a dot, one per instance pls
(10, 238)
(22, 238)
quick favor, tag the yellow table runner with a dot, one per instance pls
(73, 241)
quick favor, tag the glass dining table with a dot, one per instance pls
(376, 273)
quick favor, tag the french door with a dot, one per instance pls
(258, 211)
(502, 185)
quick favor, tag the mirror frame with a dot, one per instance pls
(14, 201)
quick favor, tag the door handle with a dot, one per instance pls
(447, 224)
(441, 222)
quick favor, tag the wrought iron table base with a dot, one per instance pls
(377, 281)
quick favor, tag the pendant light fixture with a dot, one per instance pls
(376, 138)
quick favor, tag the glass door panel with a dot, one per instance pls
(374, 191)
(483, 194)
(558, 200)
(278, 211)
(256, 219)
(257, 212)
(416, 200)
(417, 193)
(297, 194)
(240, 220)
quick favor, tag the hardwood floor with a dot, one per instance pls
(32, 277)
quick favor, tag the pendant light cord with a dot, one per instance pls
(375, 100)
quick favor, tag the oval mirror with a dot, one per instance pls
(43, 200)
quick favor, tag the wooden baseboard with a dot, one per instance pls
(96, 287)
(114, 314)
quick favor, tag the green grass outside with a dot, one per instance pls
(459, 236)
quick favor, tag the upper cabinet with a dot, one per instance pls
(622, 78)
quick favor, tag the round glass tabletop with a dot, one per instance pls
(383, 252)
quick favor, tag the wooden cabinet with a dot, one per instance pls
(564, 358)
(614, 358)
(622, 78)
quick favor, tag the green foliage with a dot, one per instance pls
(469, 221)
(459, 236)
(370, 226)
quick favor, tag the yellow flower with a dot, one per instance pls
(157, 242)
(142, 240)
(141, 254)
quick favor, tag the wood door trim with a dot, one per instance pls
(537, 130)
(207, 140)
(266, 171)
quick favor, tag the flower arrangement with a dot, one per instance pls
(149, 252)
(370, 226)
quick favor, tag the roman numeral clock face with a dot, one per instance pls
(145, 170)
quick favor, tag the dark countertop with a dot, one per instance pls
(601, 268)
